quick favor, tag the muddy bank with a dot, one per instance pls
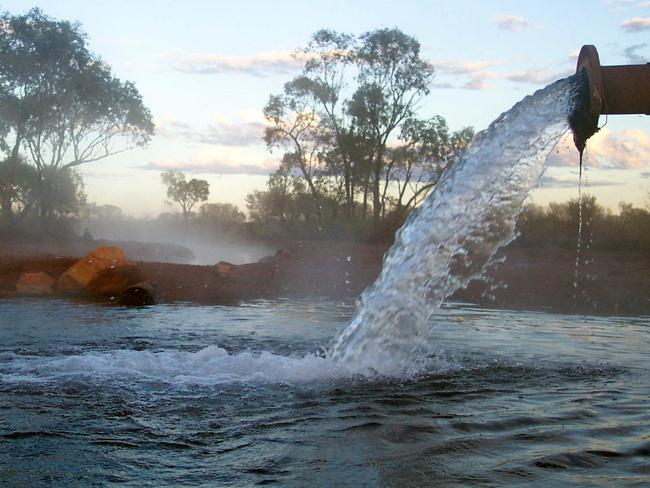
(136, 251)
(532, 279)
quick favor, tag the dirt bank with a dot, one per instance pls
(533, 279)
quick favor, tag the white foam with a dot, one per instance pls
(212, 365)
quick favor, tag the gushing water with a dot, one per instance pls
(451, 238)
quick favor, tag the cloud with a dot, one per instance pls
(513, 23)
(173, 128)
(442, 86)
(464, 67)
(260, 64)
(632, 56)
(636, 24)
(478, 72)
(234, 134)
(223, 131)
(477, 84)
(620, 149)
(221, 166)
(481, 75)
(536, 76)
(550, 181)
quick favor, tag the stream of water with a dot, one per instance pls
(453, 235)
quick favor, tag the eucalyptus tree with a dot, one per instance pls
(186, 193)
(17, 188)
(296, 130)
(392, 80)
(59, 102)
(348, 123)
(415, 166)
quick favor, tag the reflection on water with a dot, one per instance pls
(184, 395)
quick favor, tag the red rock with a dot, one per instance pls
(225, 269)
(77, 278)
(114, 280)
(35, 284)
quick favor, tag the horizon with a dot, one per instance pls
(206, 70)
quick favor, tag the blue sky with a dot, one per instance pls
(206, 69)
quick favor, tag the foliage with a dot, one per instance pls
(557, 226)
(353, 146)
(222, 217)
(186, 193)
(18, 183)
(61, 192)
(60, 104)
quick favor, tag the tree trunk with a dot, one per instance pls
(376, 195)
(6, 204)
(366, 189)
(43, 204)
(348, 188)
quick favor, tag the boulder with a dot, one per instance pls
(111, 282)
(140, 294)
(225, 269)
(76, 279)
(35, 284)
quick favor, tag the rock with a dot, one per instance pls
(111, 282)
(225, 269)
(140, 294)
(77, 278)
(35, 284)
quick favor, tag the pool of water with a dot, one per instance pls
(184, 395)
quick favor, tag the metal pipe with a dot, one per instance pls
(612, 90)
(627, 89)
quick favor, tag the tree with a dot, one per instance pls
(186, 193)
(338, 120)
(60, 102)
(220, 217)
(18, 182)
(392, 80)
(64, 194)
(416, 166)
(297, 131)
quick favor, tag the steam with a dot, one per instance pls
(169, 239)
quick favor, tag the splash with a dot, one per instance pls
(452, 237)
(208, 367)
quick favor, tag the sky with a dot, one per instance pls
(206, 69)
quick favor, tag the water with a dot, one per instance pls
(179, 395)
(411, 393)
(454, 234)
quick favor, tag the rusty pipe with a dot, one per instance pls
(612, 90)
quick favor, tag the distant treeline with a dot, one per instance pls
(554, 226)
(558, 225)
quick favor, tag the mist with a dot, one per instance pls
(168, 238)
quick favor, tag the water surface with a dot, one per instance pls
(217, 396)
